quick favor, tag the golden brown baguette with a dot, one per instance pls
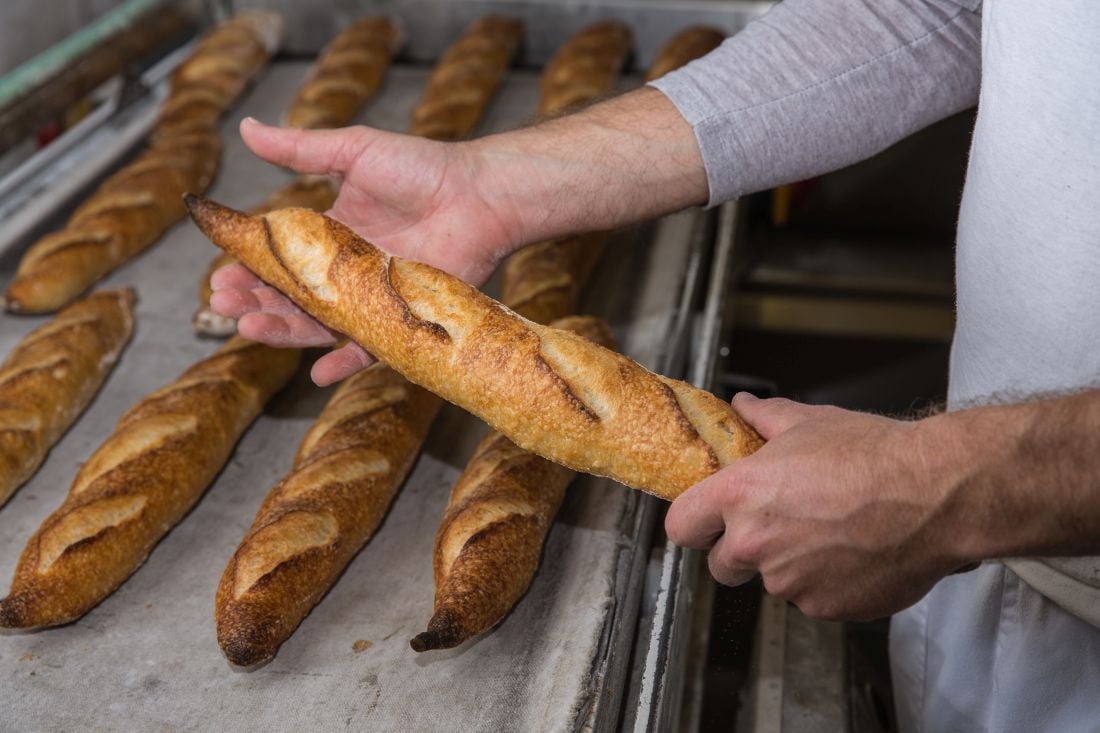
(308, 192)
(126, 214)
(548, 390)
(488, 544)
(585, 67)
(151, 470)
(217, 72)
(131, 210)
(687, 45)
(347, 471)
(466, 78)
(52, 375)
(348, 73)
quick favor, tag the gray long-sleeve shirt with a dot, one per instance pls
(818, 84)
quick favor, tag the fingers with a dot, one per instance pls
(234, 276)
(726, 567)
(340, 364)
(306, 151)
(237, 302)
(284, 331)
(695, 519)
(774, 416)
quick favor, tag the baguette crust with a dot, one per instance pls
(52, 375)
(308, 192)
(548, 390)
(152, 469)
(489, 541)
(348, 73)
(135, 206)
(686, 46)
(585, 67)
(543, 282)
(217, 72)
(466, 78)
(347, 471)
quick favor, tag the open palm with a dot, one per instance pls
(412, 197)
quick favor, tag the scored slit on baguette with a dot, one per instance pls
(161, 457)
(549, 391)
(51, 376)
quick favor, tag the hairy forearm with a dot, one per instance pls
(1023, 480)
(628, 159)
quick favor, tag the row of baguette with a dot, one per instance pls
(156, 465)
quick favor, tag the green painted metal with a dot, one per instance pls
(45, 65)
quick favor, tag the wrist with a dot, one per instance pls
(969, 456)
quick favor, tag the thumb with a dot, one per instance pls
(772, 416)
(326, 152)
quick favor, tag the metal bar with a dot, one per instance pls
(37, 70)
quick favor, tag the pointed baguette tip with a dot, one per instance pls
(425, 642)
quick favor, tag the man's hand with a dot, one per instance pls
(415, 198)
(846, 514)
(463, 207)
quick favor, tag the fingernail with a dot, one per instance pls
(744, 397)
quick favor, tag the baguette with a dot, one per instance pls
(152, 469)
(585, 67)
(549, 391)
(488, 544)
(466, 78)
(687, 45)
(309, 192)
(135, 206)
(348, 73)
(347, 471)
(52, 375)
(217, 72)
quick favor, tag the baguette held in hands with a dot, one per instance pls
(548, 390)
(488, 544)
(348, 469)
(310, 192)
(161, 457)
(52, 375)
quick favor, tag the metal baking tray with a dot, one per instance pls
(147, 659)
